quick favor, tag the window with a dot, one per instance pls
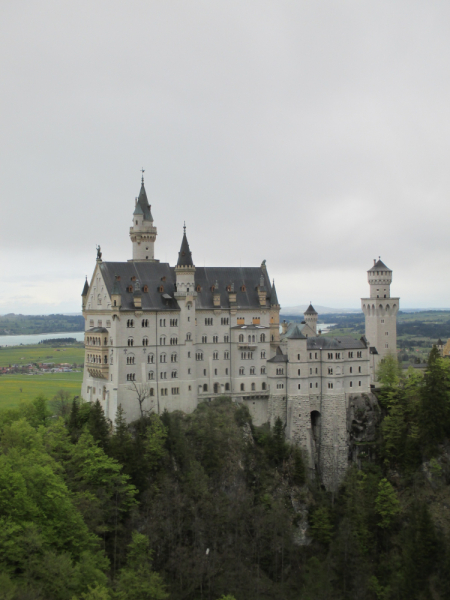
(173, 341)
(351, 383)
(382, 321)
(91, 323)
(359, 383)
(241, 371)
(204, 339)
(162, 341)
(130, 342)
(131, 377)
(174, 374)
(310, 355)
(215, 355)
(310, 385)
(199, 356)
(351, 369)
(226, 371)
(242, 387)
(227, 387)
(263, 385)
(174, 322)
(263, 370)
(208, 321)
(175, 391)
(188, 337)
(130, 323)
(215, 371)
(330, 371)
(204, 372)
(174, 357)
(315, 355)
(189, 371)
(144, 322)
(163, 391)
(386, 333)
(226, 338)
(252, 370)
(280, 371)
(241, 338)
(162, 358)
(317, 370)
(330, 385)
(386, 345)
(298, 372)
(163, 375)
(253, 387)
(215, 339)
(330, 356)
(280, 386)
(99, 323)
(338, 355)
(299, 386)
(226, 355)
(359, 369)
(150, 358)
(205, 387)
(262, 337)
(310, 371)
(225, 321)
(350, 354)
(359, 355)
(317, 385)
(162, 322)
(263, 354)
(151, 375)
(298, 356)
(145, 341)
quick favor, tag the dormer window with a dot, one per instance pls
(163, 278)
(198, 289)
(243, 288)
(133, 278)
(161, 289)
(130, 288)
(145, 288)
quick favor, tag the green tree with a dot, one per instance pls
(320, 525)
(156, 435)
(137, 581)
(387, 504)
(121, 445)
(434, 410)
(98, 425)
(389, 371)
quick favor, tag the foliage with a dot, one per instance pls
(387, 505)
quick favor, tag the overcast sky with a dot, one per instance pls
(314, 135)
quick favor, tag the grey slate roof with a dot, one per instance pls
(295, 334)
(279, 357)
(97, 330)
(85, 288)
(379, 265)
(334, 343)
(151, 274)
(185, 254)
(143, 204)
(310, 311)
(273, 295)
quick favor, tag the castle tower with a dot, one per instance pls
(381, 311)
(142, 232)
(274, 319)
(311, 317)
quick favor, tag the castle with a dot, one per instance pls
(159, 337)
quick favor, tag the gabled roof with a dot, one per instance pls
(295, 334)
(279, 357)
(143, 204)
(379, 265)
(334, 343)
(155, 275)
(85, 288)
(310, 311)
(185, 254)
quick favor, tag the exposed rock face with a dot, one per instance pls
(363, 419)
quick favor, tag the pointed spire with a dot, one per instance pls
(273, 295)
(142, 205)
(86, 288)
(310, 310)
(185, 254)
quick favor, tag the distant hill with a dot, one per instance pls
(295, 311)
(12, 324)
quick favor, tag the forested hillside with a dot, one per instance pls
(12, 324)
(206, 506)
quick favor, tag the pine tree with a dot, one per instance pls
(98, 425)
(434, 404)
(121, 444)
(387, 505)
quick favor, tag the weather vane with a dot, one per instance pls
(184, 227)
(142, 171)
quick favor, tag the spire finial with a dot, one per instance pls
(184, 228)
(142, 171)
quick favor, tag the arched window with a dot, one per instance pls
(162, 358)
(174, 357)
(130, 342)
(188, 337)
(151, 375)
(262, 337)
(241, 337)
(150, 358)
(145, 341)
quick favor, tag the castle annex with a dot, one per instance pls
(160, 337)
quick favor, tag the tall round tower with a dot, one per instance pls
(380, 311)
(311, 317)
(142, 232)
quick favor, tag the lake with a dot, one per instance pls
(35, 338)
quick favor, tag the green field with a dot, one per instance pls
(33, 385)
(23, 355)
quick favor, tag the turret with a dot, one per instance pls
(274, 317)
(311, 317)
(380, 279)
(185, 269)
(84, 294)
(142, 232)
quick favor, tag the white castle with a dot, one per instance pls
(160, 337)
